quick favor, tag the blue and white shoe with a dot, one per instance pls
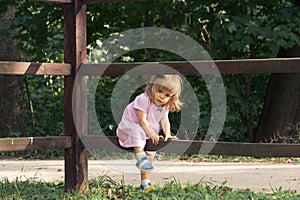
(144, 165)
(147, 187)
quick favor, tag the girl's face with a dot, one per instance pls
(162, 96)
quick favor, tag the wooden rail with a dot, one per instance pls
(178, 146)
(193, 147)
(246, 66)
(32, 68)
(33, 143)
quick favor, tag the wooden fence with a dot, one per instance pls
(76, 161)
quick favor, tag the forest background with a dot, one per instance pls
(260, 107)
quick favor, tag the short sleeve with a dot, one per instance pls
(166, 114)
(142, 102)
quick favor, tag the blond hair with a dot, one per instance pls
(170, 82)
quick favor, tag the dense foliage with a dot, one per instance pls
(227, 30)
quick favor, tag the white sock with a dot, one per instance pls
(145, 181)
(140, 155)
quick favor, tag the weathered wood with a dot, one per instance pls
(246, 66)
(76, 160)
(265, 66)
(193, 147)
(33, 143)
(31, 68)
(99, 142)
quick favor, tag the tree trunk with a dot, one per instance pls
(281, 113)
(12, 120)
(280, 119)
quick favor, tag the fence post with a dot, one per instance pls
(76, 162)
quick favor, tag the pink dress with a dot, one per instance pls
(129, 131)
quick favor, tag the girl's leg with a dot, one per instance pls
(138, 149)
(146, 177)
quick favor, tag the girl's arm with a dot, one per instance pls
(166, 127)
(142, 117)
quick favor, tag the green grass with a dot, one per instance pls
(105, 188)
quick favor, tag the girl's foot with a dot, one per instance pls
(143, 164)
(147, 187)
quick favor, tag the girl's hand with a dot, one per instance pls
(155, 139)
(170, 137)
(149, 131)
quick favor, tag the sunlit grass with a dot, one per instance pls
(104, 187)
(236, 159)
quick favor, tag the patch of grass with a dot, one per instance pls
(104, 187)
(236, 159)
(30, 189)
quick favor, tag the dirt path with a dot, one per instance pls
(255, 176)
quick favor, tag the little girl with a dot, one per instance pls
(145, 116)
